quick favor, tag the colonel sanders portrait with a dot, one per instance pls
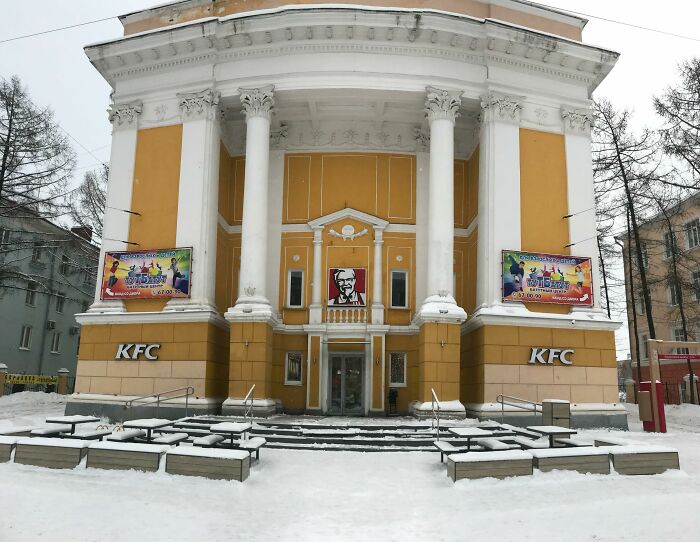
(345, 280)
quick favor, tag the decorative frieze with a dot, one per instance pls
(258, 102)
(197, 105)
(125, 115)
(501, 108)
(278, 137)
(577, 121)
(422, 139)
(442, 104)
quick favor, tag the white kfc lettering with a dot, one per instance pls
(123, 351)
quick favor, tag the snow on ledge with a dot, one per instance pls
(478, 457)
(445, 406)
(218, 453)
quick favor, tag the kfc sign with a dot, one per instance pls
(347, 287)
(132, 351)
(547, 356)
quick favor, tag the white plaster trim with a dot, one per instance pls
(346, 213)
(466, 232)
(169, 317)
(228, 227)
(400, 228)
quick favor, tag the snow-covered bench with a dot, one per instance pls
(521, 431)
(125, 456)
(495, 444)
(640, 459)
(583, 460)
(7, 444)
(53, 431)
(489, 464)
(170, 439)
(573, 443)
(126, 436)
(252, 445)
(446, 449)
(98, 434)
(208, 441)
(612, 441)
(528, 443)
(218, 463)
(20, 431)
(50, 452)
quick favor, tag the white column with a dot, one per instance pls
(274, 234)
(377, 277)
(198, 198)
(316, 307)
(252, 299)
(499, 194)
(115, 230)
(442, 108)
(422, 180)
(581, 198)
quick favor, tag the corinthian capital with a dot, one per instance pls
(198, 105)
(442, 104)
(501, 108)
(577, 121)
(258, 102)
(125, 115)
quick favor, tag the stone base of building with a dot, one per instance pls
(449, 410)
(583, 416)
(112, 407)
(262, 408)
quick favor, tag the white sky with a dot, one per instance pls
(59, 75)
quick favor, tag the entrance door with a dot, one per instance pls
(346, 385)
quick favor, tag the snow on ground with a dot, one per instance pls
(311, 495)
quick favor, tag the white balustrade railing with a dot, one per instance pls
(346, 315)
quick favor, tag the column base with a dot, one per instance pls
(437, 308)
(449, 410)
(252, 309)
(181, 305)
(107, 306)
(262, 408)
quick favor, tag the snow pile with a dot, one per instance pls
(30, 406)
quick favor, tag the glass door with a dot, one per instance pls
(346, 385)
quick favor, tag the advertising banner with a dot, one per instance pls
(150, 274)
(30, 379)
(347, 287)
(547, 278)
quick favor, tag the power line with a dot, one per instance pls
(41, 33)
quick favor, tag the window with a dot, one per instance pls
(692, 233)
(36, 251)
(399, 289)
(60, 302)
(4, 236)
(30, 297)
(292, 368)
(641, 307)
(56, 342)
(25, 339)
(644, 346)
(669, 244)
(678, 335)
(65, 265)
(696, 285)
(674, 293)
(397, 369)
(645, 254)
(295, 288)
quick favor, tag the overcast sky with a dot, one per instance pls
(59, 75)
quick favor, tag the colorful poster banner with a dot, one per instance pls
(547, 278)
(30, 379)
(150, 274)
(347, 287)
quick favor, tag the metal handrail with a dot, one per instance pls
(189, 390)
(248, 409)
(507, 400)
(435, 422)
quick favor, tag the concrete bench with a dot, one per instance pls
(126, 436)
(53, 431)
(521, 431)
(170, 439)
(50, 452)
(125, 456)
(496, 445)
(252, 445)
(216, 463)
(528, 443)
(208, 441)
(636, 459)
(489, 465)
(611, 441)
(583, 460)
(21, 431)
(90, 435)
(573, 443)
(446, 449)
(7, 444)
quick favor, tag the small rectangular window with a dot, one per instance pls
(399, 289)
(292, 368)
(692, 233)
(696, 284)
(678, 335)
(36, 251)
(645, 254)
(25, 339)
(644, 346)
(669, 244)
(56, 342)
(60, 302)
(4, 237)
(397, 369)
(65, 265)
(295, 288)
(30, 297)
(674, 293)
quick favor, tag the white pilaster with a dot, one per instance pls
(198, 197)
(252, 296)
(422, 181)
(442, 108)
(581, 198)
(499, 194)
(316, 307)
(115, 231)
(274, 239)
(377, 304)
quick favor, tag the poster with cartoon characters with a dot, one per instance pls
(148, 274)
(347, 287)
(547, 278)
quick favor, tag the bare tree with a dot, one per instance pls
(87, 205)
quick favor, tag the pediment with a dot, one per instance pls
(349, 213)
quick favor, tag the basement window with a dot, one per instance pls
(292, 369)
(397, 369)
